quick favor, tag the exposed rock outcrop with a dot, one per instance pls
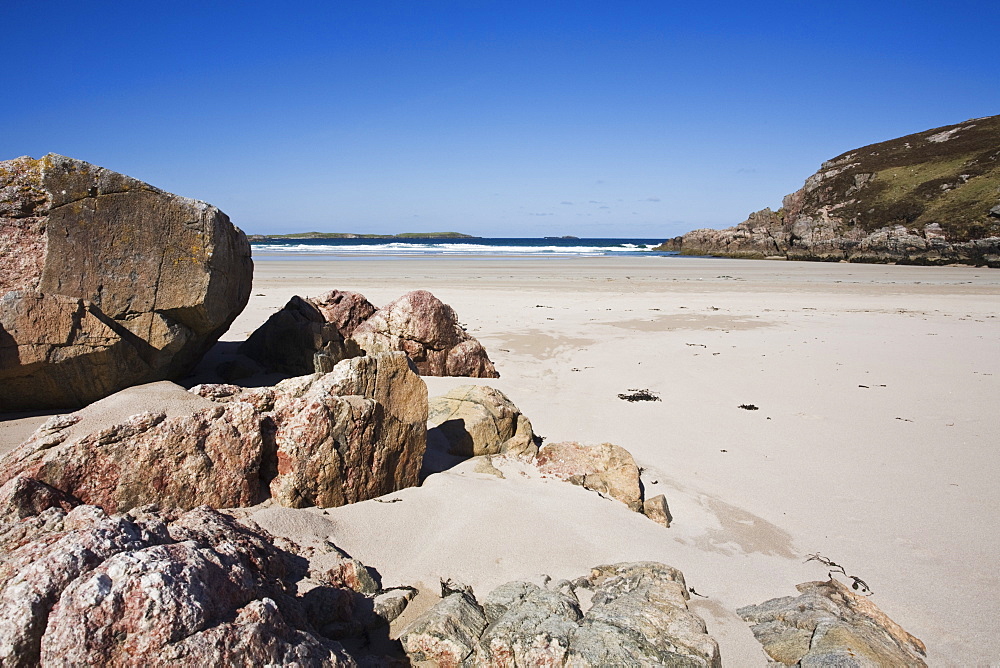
(353, 434)
(107, 282)
(606, 468)
(830, 625)
(356, 433)
(154, 587)
(637, 616)
(480, 420)
(210, 457)
(926, 198)
(427, 330)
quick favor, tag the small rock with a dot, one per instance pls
(605, 468)
(657, 510)
(391, 604)
(447, 633)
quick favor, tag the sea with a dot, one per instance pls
(313, 249)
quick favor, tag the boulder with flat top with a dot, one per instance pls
(107, 282)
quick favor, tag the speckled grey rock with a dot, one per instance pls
(830, 625)
(638, 616)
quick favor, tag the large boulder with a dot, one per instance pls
(428, 331)
(107, 282)
(638, 615)
(328, 439)
(481, 420)
(154, 587)
(354, 434)
(830, 625)
(209, 457)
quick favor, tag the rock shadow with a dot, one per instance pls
(438, 456)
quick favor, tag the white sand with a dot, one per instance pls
(894, 480)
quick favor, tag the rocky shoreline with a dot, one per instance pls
(931, 198)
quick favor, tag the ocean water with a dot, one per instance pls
(285, 249)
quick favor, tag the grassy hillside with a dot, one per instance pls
(948, 175)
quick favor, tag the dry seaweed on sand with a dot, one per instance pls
(639, 395)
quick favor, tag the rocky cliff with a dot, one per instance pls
(928, 198)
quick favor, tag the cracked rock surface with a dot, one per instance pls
(107, 282)
(327, 439)
(163, 587)
(830, 625)
(637, 616)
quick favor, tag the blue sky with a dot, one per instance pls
(643, 119)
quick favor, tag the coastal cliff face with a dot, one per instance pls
(926, 198)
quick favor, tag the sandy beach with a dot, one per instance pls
(874, 442)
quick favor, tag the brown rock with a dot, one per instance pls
(605, 468)
(346, 310)
(356, 433)
(830, 625)
(210, 457)
(480, 420)
(427, 330)
(657, 510)
(106, 281)
(298, 340)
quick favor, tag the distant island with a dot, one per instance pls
(351, 235)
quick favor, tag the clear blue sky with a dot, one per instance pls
(535, 118)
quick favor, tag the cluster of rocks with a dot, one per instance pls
(481, 421)
(107, 282)
(111, 552)
(167, 587)
(928, 198)
(355, 433)
(629, 614)
(313, 334)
